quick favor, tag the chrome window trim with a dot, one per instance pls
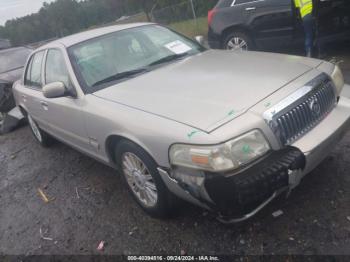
(250, 2)
(285, 103)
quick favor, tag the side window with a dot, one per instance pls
(56, 70)
(239, 2)
(33, 74)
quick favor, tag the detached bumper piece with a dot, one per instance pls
(9, 121)
(237, 197)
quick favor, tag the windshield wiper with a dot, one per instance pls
(168, 59)
(120, 76)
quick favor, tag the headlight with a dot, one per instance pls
(222, 157)
(338, 79)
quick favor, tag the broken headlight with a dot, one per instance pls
(223, 157)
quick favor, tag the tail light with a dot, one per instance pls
(211, 14)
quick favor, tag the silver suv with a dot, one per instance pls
(228, 131)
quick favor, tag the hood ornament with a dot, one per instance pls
(315, 106)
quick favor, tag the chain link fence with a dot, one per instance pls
(188, 17)
(187, 10)
(174, 13)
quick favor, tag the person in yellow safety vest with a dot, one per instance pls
(305, 8)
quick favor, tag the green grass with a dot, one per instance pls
(190, 28)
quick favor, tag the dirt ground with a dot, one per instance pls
(89, 203)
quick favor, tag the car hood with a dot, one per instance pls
(203, 90)
(11, 76)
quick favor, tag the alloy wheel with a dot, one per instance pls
(237, 44)
(139, 179)
(35, 128)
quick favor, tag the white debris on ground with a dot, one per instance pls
(277, 213)
(101, 246)
(43, 237)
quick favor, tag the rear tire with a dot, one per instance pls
(142, 178)
(40, 136)
(238, 41)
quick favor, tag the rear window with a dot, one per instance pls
(33, 72)
(13, 59)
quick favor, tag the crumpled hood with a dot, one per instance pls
(205, 89)
(11, 76)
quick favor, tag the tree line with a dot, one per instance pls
(65, 17)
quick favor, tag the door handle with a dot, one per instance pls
(44, 105)
(250, 8)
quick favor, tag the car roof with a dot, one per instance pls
(86, 35)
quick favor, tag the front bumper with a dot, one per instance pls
(240, 195)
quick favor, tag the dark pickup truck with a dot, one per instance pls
(267, 24)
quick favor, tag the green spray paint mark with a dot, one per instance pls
(234, 112)
(231, 113)
(268, 104)
(246, 149)
(190, 135)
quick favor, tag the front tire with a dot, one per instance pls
(143, 180)
(40, 136)
(238, 41)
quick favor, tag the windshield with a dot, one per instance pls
(106, 60)
(13, 59)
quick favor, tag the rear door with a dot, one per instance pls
(229, 13)
(270, 21)
(32, 96)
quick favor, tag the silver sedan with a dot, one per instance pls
(228, 131)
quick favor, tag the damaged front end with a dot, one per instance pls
(10, 115)
(7, 101)
(238, 196)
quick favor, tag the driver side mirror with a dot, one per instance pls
(199, 39)
(54, 90)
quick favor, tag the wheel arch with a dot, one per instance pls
(113, 140)
(23, 110)
(235, 28)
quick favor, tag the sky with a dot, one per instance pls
(17, 8)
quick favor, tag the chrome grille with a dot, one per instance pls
(296, 115)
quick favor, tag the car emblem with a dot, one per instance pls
(315, 107)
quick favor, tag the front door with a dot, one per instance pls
(64, 114)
